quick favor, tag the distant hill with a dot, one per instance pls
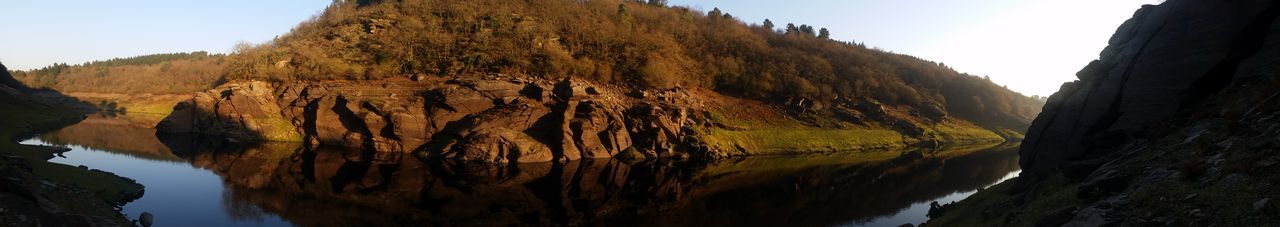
(173, 73)
(628, 43)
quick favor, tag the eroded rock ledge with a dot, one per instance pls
(493, 119)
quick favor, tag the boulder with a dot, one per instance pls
(500, 145)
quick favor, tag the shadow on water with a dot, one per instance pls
(345, 188)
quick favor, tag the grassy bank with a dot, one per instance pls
(145, 109)
(754, 128)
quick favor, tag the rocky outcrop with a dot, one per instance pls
(246, 111)
(489, 119)
(1158, 63)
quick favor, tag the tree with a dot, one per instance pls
(658, 3)
(807, 30)
(715, 13)
(624, 14)
(824, 34)
(792, 29)
(768, 24)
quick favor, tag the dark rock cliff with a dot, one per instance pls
(1174, 125)
(1162, 61)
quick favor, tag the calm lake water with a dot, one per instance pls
(189, 184)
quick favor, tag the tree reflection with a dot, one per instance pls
(327, 187)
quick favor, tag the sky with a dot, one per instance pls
(1031, 46)
(35, 34)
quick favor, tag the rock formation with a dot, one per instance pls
(490, 119)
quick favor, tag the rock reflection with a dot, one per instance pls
(343, 188)
(338, 187)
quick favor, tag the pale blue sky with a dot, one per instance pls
(39, 33)
(1030, 45)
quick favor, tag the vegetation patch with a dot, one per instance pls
(991, 206)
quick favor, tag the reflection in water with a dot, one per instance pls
(281, 184)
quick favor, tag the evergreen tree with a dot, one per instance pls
(824, 34)
(807, 30)
(624, 14)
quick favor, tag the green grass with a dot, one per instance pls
(278, 129)
(962, 133)
(775, 134)
(771, 141)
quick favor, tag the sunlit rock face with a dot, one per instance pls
(491, 119)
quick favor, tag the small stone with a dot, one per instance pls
(1196, 212)
(1261, 204)
(1267, 163)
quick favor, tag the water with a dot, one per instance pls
(193, 184)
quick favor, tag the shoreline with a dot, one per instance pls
(47, 193)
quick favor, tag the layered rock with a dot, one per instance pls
(490, 119)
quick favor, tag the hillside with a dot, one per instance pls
(636, 45)
(176, 73)
(589, 80)
(146, 86)
(1174, 125)
(37, 192)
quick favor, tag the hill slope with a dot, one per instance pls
(617, 42)
(383, 69)
(145, 86)
(37, 192)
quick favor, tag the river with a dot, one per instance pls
(189, 183)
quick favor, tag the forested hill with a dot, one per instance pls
(173, 73)
(641, 45)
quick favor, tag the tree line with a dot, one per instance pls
(171, 73)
